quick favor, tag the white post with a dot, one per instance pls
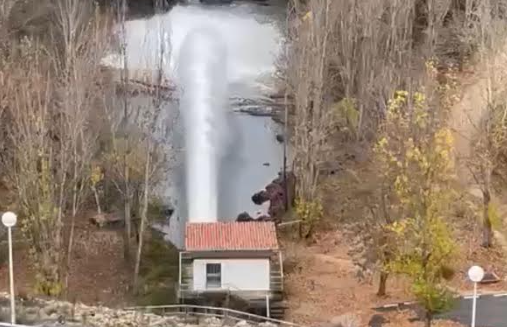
(11, 277)
(476, 274)
(9, 219)
(179, 271)
(474, 305)
(268, 313)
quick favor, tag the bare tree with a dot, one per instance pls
(308, 66)
(153, 157)
(48, 98)
(38, 164)
(127, 192)
(485, 128)
(85, 37)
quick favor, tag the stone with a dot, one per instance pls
(42, 314)
(51, 308)
(212, 321)
(267, 324)
(346, 320)
(476, 192)
(55, 316)
(244, 217)
(242, 323)
(275, 194)
(260, 197)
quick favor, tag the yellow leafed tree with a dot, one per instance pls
(414, 151)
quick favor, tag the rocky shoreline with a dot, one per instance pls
(275, 194)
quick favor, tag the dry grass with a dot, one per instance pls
(324, 283)
(98, 273)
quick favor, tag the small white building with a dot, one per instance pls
(223, 259)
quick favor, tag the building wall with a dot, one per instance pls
(237, 274)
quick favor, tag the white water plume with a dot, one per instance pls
(253, 40)
(252, 45)
(203, 103)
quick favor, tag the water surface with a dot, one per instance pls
(251, 157)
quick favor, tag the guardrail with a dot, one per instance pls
(205, 311)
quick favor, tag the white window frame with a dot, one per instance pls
(214, 274)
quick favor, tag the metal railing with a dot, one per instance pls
(187, 311)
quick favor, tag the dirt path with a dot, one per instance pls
(466, 114)
(464, 118)
(324, 283)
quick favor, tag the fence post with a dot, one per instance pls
(268, 313)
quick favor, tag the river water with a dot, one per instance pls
(253, 37)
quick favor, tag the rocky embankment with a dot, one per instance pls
(37, 312)
(275, 194)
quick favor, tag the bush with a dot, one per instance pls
(158, 271)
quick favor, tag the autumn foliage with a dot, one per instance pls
(415, 153)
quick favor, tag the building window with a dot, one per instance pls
(213, 275)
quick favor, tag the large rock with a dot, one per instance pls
(260, 197)
(347, 320)
(275, 194)
(244, 217)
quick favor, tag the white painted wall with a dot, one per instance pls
(237, 274)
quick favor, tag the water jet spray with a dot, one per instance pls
(202, 75)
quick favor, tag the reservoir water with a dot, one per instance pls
(249, 157)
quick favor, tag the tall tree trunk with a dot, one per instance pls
(487, 231)
(126, 193)
(127, 214)
(382, 286)
(69, 252)
(144, 213)
(75, 191)
(128, 228)
(97, 199)
(428, 319)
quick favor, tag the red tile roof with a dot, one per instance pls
(231, 236)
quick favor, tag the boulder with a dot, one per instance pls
(242, 323)
(346, 320)
(213, 322)
(260, 197)
(275, 194)
(267, 324)
(106, 220)
(244, 217)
